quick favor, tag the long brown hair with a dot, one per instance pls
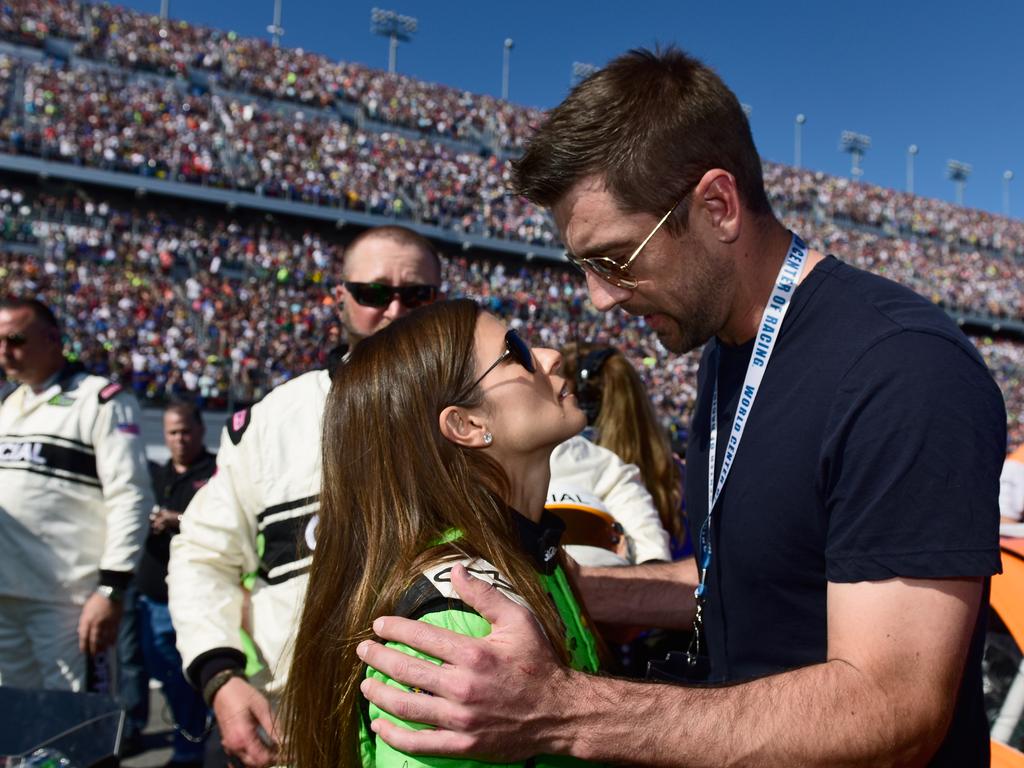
(392, 485)
(628, 426)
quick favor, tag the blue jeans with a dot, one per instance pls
(132, 676)
(164, 664)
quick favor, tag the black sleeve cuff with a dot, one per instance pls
(208, 664)
(116, 579)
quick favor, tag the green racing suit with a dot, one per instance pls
(432, 600)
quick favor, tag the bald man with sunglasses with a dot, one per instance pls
(254, 522)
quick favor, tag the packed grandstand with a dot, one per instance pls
(183, 194)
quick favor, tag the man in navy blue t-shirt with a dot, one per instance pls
(842, 478)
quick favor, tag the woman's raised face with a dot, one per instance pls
(524, 411)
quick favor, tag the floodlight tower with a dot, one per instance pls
(165, 9)
(395, 27)
(1007, 178)
(506, 65)
(275, 29)
(855, 145)
(580, 72)
(911, 154)
(958, 173)
(798, 128)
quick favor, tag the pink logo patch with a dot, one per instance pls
(110, 390)
(238, 420)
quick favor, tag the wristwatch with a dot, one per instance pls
(218, 681)
(114, 594)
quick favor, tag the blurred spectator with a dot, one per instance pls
(74, 489)
(174, 484)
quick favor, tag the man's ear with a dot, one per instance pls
(458, 426)
(719, 199)
(339, 294)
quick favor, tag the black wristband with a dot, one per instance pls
(217, 682)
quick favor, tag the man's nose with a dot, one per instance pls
(603, 294)
(395, 309)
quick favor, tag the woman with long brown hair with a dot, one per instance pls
(436, 440)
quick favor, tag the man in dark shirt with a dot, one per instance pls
(174, 485)
(844, 461)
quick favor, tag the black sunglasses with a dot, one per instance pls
(588, 382)
(379, 295)
(515, 348)
(15, 339)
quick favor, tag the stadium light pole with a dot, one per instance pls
(165, 9)
(855, 145)
(275, 29)
(958, 173)
(911, 154)
(506, 66)
(394, 26)
(798, 127)
(580, 71)
(1007, 178)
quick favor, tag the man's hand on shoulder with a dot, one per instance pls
(241, 712)
(494, 697)
(98, 622)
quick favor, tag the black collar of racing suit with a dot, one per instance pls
(335, 357)
(68, 372)
(540, 540)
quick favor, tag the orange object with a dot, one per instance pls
(1007, 592)
(1006, 757)
(1006, 600)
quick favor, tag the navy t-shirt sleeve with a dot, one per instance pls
(910, 464)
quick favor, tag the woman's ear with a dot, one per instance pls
(458, 426)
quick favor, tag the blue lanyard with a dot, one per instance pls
(764, 345)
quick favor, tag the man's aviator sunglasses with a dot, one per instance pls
(379, 295)
(15, 339)
(616, 272)
(515, 348)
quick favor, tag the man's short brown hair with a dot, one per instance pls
(652, 124)
(39, 310)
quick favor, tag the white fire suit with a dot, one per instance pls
(74, 504)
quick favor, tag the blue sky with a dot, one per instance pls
(947, 76)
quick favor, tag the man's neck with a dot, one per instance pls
(182, 468)
(46, 379)
(758, 268)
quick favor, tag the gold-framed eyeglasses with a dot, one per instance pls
(617, 272)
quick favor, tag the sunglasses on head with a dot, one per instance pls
(515, 348)
(588, 382)
(15, 339)
(379, 295)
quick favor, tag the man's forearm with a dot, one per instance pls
(824, 715)
(654, 595)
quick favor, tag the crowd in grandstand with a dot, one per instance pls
(141, 41)
(247, 141)
(224, 309)
(255, 297)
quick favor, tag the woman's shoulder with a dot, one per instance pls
(433, 592)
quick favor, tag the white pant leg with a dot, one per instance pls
(18, 668)
(53, 633)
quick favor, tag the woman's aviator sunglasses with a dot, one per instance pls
(515, 348)
(379, 295)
